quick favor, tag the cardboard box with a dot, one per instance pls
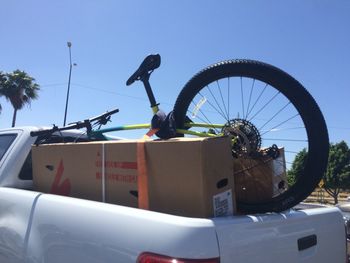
(185, 176)
(257, 180)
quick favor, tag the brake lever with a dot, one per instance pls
(103, 121)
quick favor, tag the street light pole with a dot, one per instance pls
(69, 44)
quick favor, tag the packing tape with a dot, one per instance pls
(150, 133)
(142, 180)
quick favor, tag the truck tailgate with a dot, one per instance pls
(315, 235)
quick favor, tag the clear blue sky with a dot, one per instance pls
(308, 39)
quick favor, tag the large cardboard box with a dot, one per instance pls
(184, 176)
(257, 180)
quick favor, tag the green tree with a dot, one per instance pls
(19, 88)
(297, 167)
(337, 176)
(2, 80)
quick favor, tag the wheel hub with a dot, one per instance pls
(248, 140)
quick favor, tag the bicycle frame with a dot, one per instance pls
(99, 133)
(147, 67)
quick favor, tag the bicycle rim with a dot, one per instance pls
(260, 106)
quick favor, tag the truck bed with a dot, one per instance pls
(53, 228)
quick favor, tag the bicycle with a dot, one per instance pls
(247, 100)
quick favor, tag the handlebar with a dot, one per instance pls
(100, 120)
(104, 115)
(43, 132)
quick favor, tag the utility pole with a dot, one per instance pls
(69, 44)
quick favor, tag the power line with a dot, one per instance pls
(116, 93)
(103, 90)
(109, 92)
(54, 84)
(338, 128)
(93, 88)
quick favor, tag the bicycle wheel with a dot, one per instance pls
(261, 107)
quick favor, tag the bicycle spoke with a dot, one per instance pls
(217, 103)
(266, 104)
(280, 124)
(250, 97)
(256, 101)
(291, 152)
(228, 98)
(286, 140)
(242, 97)
(216, 110)
(206, 120)
(274, 116)
(222, 99)
(283, 129)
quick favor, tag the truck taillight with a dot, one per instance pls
(154, 258)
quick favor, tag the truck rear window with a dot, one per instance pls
(5, 142)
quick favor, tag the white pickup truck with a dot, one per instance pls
(39, 227)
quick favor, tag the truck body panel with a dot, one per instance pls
(71, 229)
(282, 235)
(16, 211)
(37, 227)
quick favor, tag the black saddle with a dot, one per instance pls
(149, 64)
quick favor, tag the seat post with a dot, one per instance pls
(148, 88)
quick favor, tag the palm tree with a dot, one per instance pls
(2, 80)
(18, 88)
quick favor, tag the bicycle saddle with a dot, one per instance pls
(150, 63)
